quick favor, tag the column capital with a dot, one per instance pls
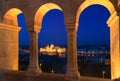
(34, 28)
(112, 19)
(118, 8)
(71, 29)
(70, 21)
(71, 24)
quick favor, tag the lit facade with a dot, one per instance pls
(52, 50)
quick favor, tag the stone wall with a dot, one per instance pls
(8, 47)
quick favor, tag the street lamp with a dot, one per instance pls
(40, 65)
(103, 73)
(52, 71)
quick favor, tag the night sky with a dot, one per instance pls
(92, 29)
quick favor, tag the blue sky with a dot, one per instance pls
(92, 29)
(92, 26)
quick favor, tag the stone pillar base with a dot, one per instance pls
(33, 71)
(72, 75)
(30, 78)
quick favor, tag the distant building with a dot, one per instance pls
(53, 50)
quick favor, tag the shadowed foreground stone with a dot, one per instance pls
(20, 76)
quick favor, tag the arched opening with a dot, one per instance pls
(53, 32)
(52, 38)
(42, 11)
(24, 41)
(113, 23)
(88, 3)
(93, 40)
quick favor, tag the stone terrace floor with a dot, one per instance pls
(20, 76)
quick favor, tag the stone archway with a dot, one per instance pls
(9, 43)
(113, 23)
(88, 3)
(40, 13)
(10, 16)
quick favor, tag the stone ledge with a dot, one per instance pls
(20, 76)
(9, 27)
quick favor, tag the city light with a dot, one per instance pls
(53, 50)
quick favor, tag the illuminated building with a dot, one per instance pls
(53, 50)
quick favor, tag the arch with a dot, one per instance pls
(10, 16)
(42, 11)
(106, 3)
(113, 23)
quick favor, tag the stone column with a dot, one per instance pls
(8, 47)
(33, 68)
(113, 23)
(72, 66)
